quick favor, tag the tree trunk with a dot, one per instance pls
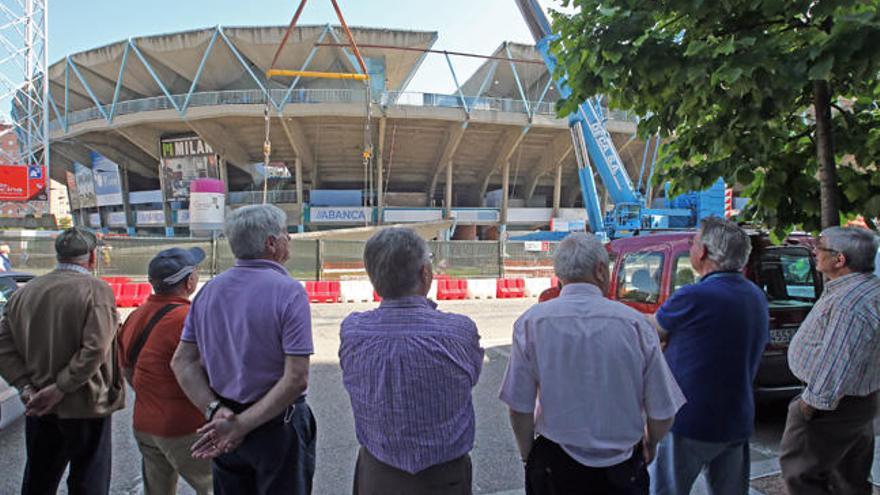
(828, 192)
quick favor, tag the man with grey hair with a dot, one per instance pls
(409, 370)
(605, 395)
(56, 347)
(243, 360)
(716, 331)
(828, 443)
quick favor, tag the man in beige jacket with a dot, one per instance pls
(56, 348)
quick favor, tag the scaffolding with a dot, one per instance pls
(24, 59)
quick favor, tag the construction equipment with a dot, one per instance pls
(593, 142)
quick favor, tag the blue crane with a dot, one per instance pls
(592, 142)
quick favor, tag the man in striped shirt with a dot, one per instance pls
(828, 444)
(409, 370)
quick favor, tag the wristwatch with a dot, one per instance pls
(212, 409)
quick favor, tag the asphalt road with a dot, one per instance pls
(497, 469)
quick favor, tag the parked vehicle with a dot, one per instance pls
(647, 269)
(10, 407)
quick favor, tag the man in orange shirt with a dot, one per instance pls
(165, 421)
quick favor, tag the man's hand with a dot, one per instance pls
(25, 394)
(807, 410)
(222, 435)
(42, 402)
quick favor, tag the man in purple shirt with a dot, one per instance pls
(409, 370)
(243, 359)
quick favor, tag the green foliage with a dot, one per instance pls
(728, 83)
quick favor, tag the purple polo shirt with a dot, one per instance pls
(245, 321)
(409, 370)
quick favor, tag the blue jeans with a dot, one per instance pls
(680, 460)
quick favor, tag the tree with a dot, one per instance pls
(772, 94)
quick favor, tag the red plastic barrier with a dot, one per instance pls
(324, 291)
(127, 296)
(507, 288)
(376, 297)
(116, 280)
(131, 295)
(143, 293)
(451, 289)
(117, 291)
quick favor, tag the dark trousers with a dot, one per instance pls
(374, 477)
(551, 471)
(832, 452)
(53, 443)
(276, 458)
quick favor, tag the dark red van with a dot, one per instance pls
(647, 269)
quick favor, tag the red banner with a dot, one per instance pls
(21, 183)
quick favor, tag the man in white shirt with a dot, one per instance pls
(597, 371)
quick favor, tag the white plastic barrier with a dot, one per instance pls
(535, 286)
(482, 288)
(356, 291)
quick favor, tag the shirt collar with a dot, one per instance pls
(721, 273)
(581, 289)
(70, 267)
(408, 302)
(164, 298)
(849, 277)
(259, 263)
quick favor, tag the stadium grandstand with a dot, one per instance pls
(133, 123)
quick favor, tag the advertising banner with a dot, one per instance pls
(150, 217)
(108, 186)
(20, 183)
(85, 186)
(116, 219)
(183, 160)
(342, 214)
(414, 215)
(72, 194)
(95, 220)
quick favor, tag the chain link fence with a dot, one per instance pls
(309, 259)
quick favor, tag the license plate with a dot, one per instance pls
(781, 336)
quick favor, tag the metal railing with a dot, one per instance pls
(256, 197)
(306, 96)
(309, 259)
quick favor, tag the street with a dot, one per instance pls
(497, 469)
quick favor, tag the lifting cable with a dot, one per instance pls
(367, 154)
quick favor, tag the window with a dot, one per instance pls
(682, 271)
(788, 277)
(639, 277)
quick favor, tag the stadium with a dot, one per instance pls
(133, 123)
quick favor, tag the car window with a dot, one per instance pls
(7, 287)
(682, 271)
(639, 277)
(788, 277)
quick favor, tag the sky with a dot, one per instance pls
(475, 26)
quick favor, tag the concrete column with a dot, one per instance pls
(298, 172)
(448, 213)
(126, 206)
(380, 171)
(557, 190)
(505, 193)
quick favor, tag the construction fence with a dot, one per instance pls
(309, 259)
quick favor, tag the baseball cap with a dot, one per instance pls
(172, 265)
(75, 242)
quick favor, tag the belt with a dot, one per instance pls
(240, 407)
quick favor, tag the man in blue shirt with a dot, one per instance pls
(716, 331)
